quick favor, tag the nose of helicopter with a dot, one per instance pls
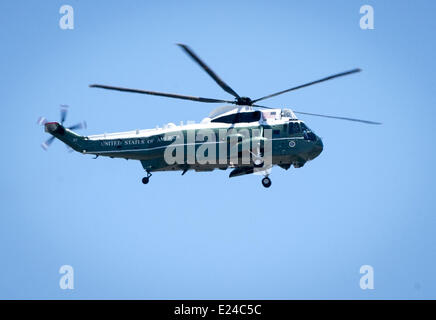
(317, 148)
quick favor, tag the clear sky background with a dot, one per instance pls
(367, 199)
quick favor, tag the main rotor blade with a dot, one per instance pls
(209, 71)
(161, 94)
(334, 117)
(310, 83)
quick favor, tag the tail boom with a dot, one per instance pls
(70, 138)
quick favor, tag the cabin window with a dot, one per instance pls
(239, 117)
(231, 118)
(249, 116)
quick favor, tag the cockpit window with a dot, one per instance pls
(239, 117)
(304, 127)
(294, 127)
(311, 136)
(300, 127)
(308, 134)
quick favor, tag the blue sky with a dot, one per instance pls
(368, 198)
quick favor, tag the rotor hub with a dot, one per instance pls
(244, 101)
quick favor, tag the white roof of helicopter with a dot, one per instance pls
(270, 116)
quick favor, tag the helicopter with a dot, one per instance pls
(241, 135)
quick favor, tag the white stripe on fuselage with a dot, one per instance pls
(179, 145)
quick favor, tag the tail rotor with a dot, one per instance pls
(63, 116)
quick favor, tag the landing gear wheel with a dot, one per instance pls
(146, 179)
(266, 182)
